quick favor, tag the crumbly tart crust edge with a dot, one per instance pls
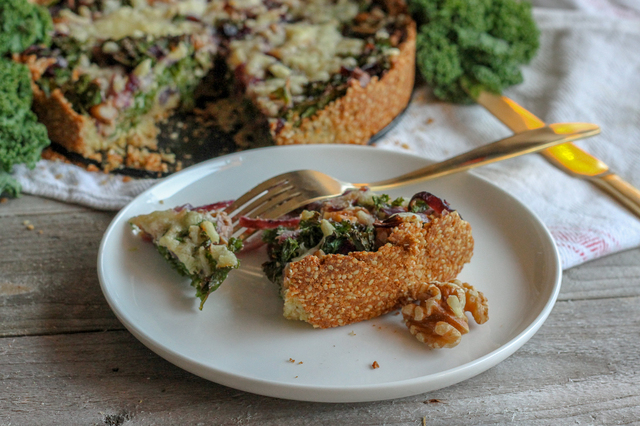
(78, 134)
(336, 290)
(363, 111)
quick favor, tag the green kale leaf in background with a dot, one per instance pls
(473, 44)
(23, 24)
(22, 138)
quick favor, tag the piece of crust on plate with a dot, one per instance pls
(360, 256)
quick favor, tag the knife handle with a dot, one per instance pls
(621, 190)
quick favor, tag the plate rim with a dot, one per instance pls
(329, 393)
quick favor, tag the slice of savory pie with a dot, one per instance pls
(349, 259)
(318, 71)
(360, 256)
(195, 241)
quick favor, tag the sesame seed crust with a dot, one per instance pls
(333, 290)
(363, 111)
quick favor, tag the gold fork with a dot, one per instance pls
(286, 192)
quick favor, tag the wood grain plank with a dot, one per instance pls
(581, 367)
(28, 205)
(617, 275)
(48, 278)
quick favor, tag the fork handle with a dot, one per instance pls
(518, 144)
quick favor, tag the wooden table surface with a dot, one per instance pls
(66, 359)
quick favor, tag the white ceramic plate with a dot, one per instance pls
(241, 339)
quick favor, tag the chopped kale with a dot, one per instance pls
(177, 76)
(397, 202)
(348, 237)
(83, 93)
(382, 204)
(280, 254)
(234, 245)
(129, 51)
(310, 232)
(173, 261)
(318, 95)
(285, 245)
(380, 201)
(126, 53)
(65, 47)
(419, 206)
(204, 285)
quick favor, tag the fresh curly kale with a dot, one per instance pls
(23, 24)
(470, 45)
(22, 138)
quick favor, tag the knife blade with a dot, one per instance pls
(568, 156)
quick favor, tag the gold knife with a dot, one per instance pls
(567, 157)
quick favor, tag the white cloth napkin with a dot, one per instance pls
(587, 69)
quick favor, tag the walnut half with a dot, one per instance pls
(436, 312)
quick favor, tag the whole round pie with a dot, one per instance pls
(313, 71)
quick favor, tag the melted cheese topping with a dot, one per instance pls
(188, 235)
(292, 54)
(137, 21)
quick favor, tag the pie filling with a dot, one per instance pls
(195, 241)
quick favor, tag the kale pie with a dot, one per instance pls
(316, 71)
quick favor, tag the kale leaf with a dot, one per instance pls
(348, 237)
(472, 45)
(284, 245)
(23, 24)
(204, 284)
(22, 138)
(280, 254)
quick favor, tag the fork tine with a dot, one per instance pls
(246, 234)
(275, 211)
(271, 196)
(256, 190)
(265, 205)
